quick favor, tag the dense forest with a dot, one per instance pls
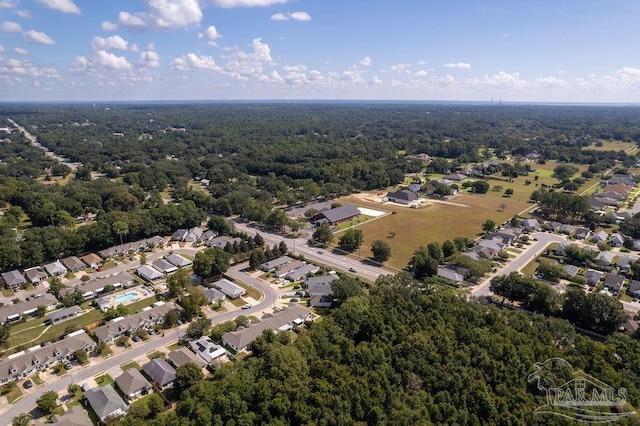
(402, 355)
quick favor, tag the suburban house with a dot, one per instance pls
(319, 290)
(531, 224)
(624, 263)
(183, 355)
(284, 320)
(634, 288)
(93, 288)
(55, 268)
(605, 258)
(231, 290)
(404, 197)
(135, 246)
(24, 363)
(149, 273)
(133, 384)
(74, 416)
(450, 275)
(415, 187)
(92, 260)
(616, 240)
(581, 234)
(187, 235)
(13, 279)
(222, 241)
(571, 270)
(106, 402)
(207, 235)
(275, 263)
(73, 263)
(143, 319)
(64, 314)
(27, 307)
(567, 229)
(206, 349)
(283, 270)
(613, 283)
(593, 277)
(455, 177)
(336, 215)
(36, 274)
(301, 272)
(164, 266)
(213, 295)
(179, 261)
(159, 371)
(599, 237)
(179, 235)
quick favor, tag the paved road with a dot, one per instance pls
(29, 401)
(34, 142)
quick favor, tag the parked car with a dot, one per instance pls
(246, 306)
(136, 338)
(295, 300)
(28, 384)
(352, 270)
(67, 366)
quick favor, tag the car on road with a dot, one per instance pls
(28, 384)
(352, 270)
(67, 366)
(246, 306)
(319, 252)
(294, 300)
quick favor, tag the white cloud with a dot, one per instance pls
(21, 51)
(10, 27)
(247, 3)
(375, 81)
(420, 73)
(399, 68)
(109, 26)
(422, 62)
(163, 14)
(1, 48)
(279, 17)
(149, 59)
(109, 60)
(458, 65)
(300, 16)
(37, 37)
(134, 48)
(366, 61)
(296, 16)
(210, 34)
(64, 6)
(110, 43)
(273, 77)
(193, 62)
(8, 4)
(24, 13)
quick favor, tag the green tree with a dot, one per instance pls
(120, 228)
(170, 319)
(422, 264)
(381, 250)
(350, 240)
(155, 404)
(48, 401)
(489, 226)
(187, 375)
(551, 271)
(435, 251)
(221, 225)
(178, 281)
(214, 261)
(346, 287)
(449, 249)
(55, 285)
(23, 419)
(198, 328)
(41, 310)
(192, 303)
(323, 234)
(81, 356)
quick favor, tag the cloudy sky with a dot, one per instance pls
(524, 50)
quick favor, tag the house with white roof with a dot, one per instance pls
(55, 268)
(231, 290)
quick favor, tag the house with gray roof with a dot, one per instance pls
(64, 314)
(179, 235)
(183, 355)
(106, 402)
(27, 307)
(613, 282)
(144, 319)
(214, 295)
(179, 261)
(567, 229)
(13, 279)
(222, 241)
(55, 268)
(275, 263)
(193, 235)
(404, 197)
(302, 271)
(207, 235)
(231, 290)
(605, 258)
(74, 416)
(164, 266)
(149, 273)
(38, 358)
(284, 320)
(593, 277)
(634, 288)
(159, 371)
(581, 234)
(336, 215)
(624, 263)
(320, 286)
(450, 275)
(283, 270)
(133, 384)
(73, 263)
(616, 240)
(599, 237)
(571, 270)
(206, 349)
(36, 274)
(531, 224)
(94, 287)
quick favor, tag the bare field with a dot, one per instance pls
(436, 222)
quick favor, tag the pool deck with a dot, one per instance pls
(109, 301)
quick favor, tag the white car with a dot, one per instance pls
(246, 306)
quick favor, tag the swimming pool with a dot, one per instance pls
(125, 298)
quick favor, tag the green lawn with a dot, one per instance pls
(6, 292)
(36, 379)
(238, 302)
(251, 291)
(13, 394)
(131, 364)
(137, 306)
(156, 354)
(174, 346)
(104, 380)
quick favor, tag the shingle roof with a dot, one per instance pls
(105, 401)
(183, 355)
(117, 328)
(405, 194)
(179, 261)
(160, 371)
(339, 213)
(55, 268)
(131, 381)
(8, 311)
(13, 278)
(73, 263)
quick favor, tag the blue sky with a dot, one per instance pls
(517, 51)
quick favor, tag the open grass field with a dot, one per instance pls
(611, 146)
